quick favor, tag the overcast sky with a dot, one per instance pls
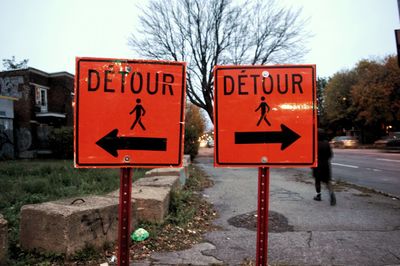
(52, 33)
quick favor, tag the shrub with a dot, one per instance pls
(62, 142)
(181, 211)
(194, 127)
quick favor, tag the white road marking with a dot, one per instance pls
(388, 160)
(374, 169)
(345, 165)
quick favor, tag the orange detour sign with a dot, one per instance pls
(129, 113)
(265, 116)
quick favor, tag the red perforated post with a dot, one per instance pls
(124, 216)
(262, 217)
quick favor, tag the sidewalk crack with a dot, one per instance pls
(394, 255)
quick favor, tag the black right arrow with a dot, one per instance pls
(286, 137)
(111, 143)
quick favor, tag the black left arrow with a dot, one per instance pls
(111, 143)
(285, 137)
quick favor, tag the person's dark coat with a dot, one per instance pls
(323, 170)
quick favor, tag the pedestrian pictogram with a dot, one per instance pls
(264, 109)
(265, 116)
(139, 110)
(129, 113)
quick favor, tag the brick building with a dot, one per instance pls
(32, 103)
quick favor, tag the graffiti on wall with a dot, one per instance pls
(7, 147)
(24, 137)
(97, 225)
(6, 143)
(9, 86)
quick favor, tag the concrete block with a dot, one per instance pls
(163, 172)
(152, 203)
(169, 172)
(66, 226)
(3, 240)
(160, 181)
(186, 163)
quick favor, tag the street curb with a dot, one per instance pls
(372, 190)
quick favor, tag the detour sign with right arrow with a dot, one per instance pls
(265, 116)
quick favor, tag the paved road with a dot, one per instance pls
(362, 229)
(368, 168)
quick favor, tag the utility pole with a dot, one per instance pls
(397, 35)
(398, 7)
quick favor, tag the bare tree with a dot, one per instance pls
(205, 33)
(12, 64)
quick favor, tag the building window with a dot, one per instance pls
(41, 98)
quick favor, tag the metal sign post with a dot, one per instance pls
(124, 216)
(262, 216)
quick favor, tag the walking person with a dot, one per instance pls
(264, 109)
(322, 173)
(139, 110)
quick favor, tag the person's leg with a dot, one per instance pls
(259, 121)
(331, 193)
(141, 125)
(266, 120)
(317, 189)
(134, 124)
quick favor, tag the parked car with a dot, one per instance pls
(393, 145)
(381, 143)
(344, 142)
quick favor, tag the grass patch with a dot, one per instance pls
(86, 254)
(181, 209)
(34, 181)
(198, 180)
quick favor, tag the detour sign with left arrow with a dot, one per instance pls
(265, 116)
(129, 113)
